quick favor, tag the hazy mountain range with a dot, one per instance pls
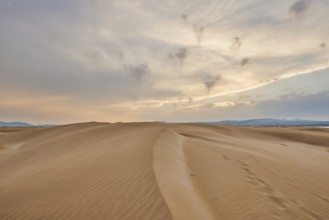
(21, 124)
(250, 122)
(272, 122)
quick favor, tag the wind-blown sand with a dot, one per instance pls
(143, 171)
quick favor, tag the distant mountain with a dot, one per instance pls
(272, 122)
(21, 124)
(14, 124)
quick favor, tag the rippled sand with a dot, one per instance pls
(164, 171)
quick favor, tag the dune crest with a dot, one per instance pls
(174, 178)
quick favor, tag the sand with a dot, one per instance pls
(164, 171)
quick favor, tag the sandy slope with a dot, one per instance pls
(164, 171)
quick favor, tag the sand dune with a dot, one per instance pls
(164, 171)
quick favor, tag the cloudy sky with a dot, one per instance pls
(68, 61)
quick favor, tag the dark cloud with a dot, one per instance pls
(299, 7)
(181, 55)
(210, 83)
(184, 17)
(244, 62)
(237, 42)
(138, 72)
(198, 30)
(323, 46)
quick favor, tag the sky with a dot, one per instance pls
(69, 61)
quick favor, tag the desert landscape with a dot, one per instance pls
(158, 110)
(164, 171)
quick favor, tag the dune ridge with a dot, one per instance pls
(174, 178)
(164, 171)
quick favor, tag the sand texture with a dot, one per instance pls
(155, 171)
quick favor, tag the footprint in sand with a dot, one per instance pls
(263, 186)
(226, 157)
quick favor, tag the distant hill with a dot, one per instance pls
(271, 122)
(21, 124)
(15, 124)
